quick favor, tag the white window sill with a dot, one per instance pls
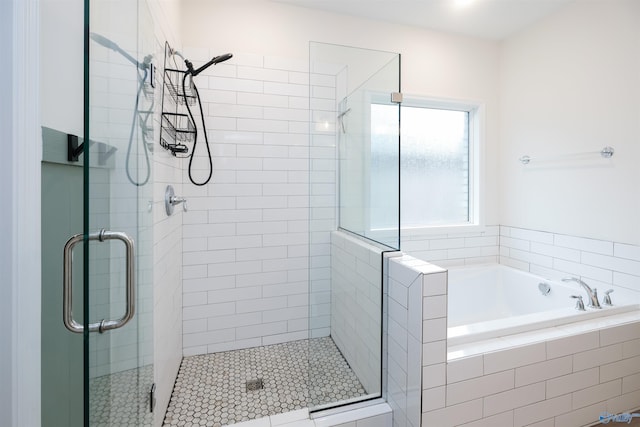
(447, 230)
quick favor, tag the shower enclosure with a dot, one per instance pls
(327, 294)
(98, 200)
(97, 197)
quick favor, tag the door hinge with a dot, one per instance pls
(396, 97)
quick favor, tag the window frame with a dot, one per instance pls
(476, 111)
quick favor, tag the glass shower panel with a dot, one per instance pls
(372, 150)
(118, 196)
(356, 153)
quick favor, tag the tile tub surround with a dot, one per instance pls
(454, 247)
(565, 380)
(600, 263)
(564, 376)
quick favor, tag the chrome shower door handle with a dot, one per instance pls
(67, 301)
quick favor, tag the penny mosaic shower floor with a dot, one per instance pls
(211, 389)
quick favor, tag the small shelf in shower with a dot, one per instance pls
(177, 127)
(181, 95)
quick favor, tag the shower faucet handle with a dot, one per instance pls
(171, 200)
(579, 303)
(607, 298)
(174, 200)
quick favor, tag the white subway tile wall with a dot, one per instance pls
(416, 363)
(356, 307)
(249, 233)
(167, 268)
(535, 384)
(600, 263)
(449, 249)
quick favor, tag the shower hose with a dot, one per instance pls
(195, 137)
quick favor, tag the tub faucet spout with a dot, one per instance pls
(593, 293)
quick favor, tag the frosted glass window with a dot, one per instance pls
(434, 167)
(435, 159)
(384, 167)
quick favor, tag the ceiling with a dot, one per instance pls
(488, 19)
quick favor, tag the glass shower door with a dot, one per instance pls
(117, 234)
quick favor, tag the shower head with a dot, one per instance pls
(215, 60)
(105, 42)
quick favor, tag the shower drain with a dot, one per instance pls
(256, 384)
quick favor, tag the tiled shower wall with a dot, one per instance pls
(167, 269)
(356, 305)
(246, 235)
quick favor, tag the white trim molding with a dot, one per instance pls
(20, 215)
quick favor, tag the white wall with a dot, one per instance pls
(433, 63)
(571, 84)
(61, 69)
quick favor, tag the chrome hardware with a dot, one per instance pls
(396, 97)
(607, 298)
(579, 303)
(170, 200)
(606, 153)
(525, 160)
(67, 272)
(544, 288)
(593, 293)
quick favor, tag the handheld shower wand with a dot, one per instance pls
(216, 60)
(191, 72)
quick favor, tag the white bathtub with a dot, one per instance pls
(492, 301)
